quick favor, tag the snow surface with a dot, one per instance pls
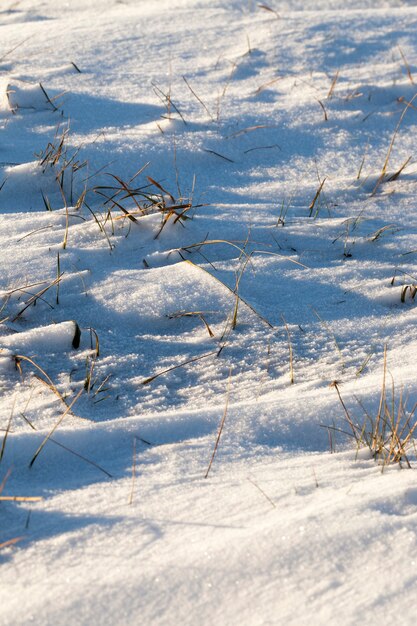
(242, 109)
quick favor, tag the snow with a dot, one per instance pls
(219, 196)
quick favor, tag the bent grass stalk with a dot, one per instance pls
(146, 381)
(57, 424)
(290, 350)
(70, 450)
(199, 314)
(219, 434)
(315, 199)
(333, 85)
(391, 145)
(9, 424)
(198, 99)
(38, 296)
(249, 306)
(47, 381)
(14, 540)
(407, 66)
(271, 502)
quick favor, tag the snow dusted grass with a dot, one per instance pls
(208, 291)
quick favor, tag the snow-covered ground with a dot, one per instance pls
(207, 217)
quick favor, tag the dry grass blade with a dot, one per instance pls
(6, 54)
(96, 344)
(316, 197)
(273, 146)
(65, 413)
(48, 99)
(252, 482)
(91, 362)
(244, 259)
(5, 479)
(37, 296)
(249, 129)
(362, 162)
(10, 542)
(333, 85)
(261, 317)
(407, 67)
(412, 289)
(58, 274)
(140, 170)
(211, 242)
(100, 225)
(387, 158)
(399, 171)
(404, 101)
(199, 99)
(174, 367)
(381, 231)
(33, 232)
(70, 450)
(76, 67)
(267, 8)
(364, 363)
(326, 117)
(236, 306)
(9, 424)
(20, 499)
(167, 100)
(219, 434)
(395, 444)
(130, 193)
(127, 213)
(354, 429)
(46, 381)
(225, 158)
(267, 84)
(287, 330)
(81, 456)
(171, 213)
(281, 256)
(381, 402)
(198, 314)
(159, 186)
(405, 440)
(65, 240)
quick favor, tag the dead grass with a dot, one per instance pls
(389, 433)
(64, 162)
(136, 202)
(222, 422)
(383, 175)
(14, 540)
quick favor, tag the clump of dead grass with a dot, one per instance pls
(389, 434)
(135, 202)
(65, 163)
